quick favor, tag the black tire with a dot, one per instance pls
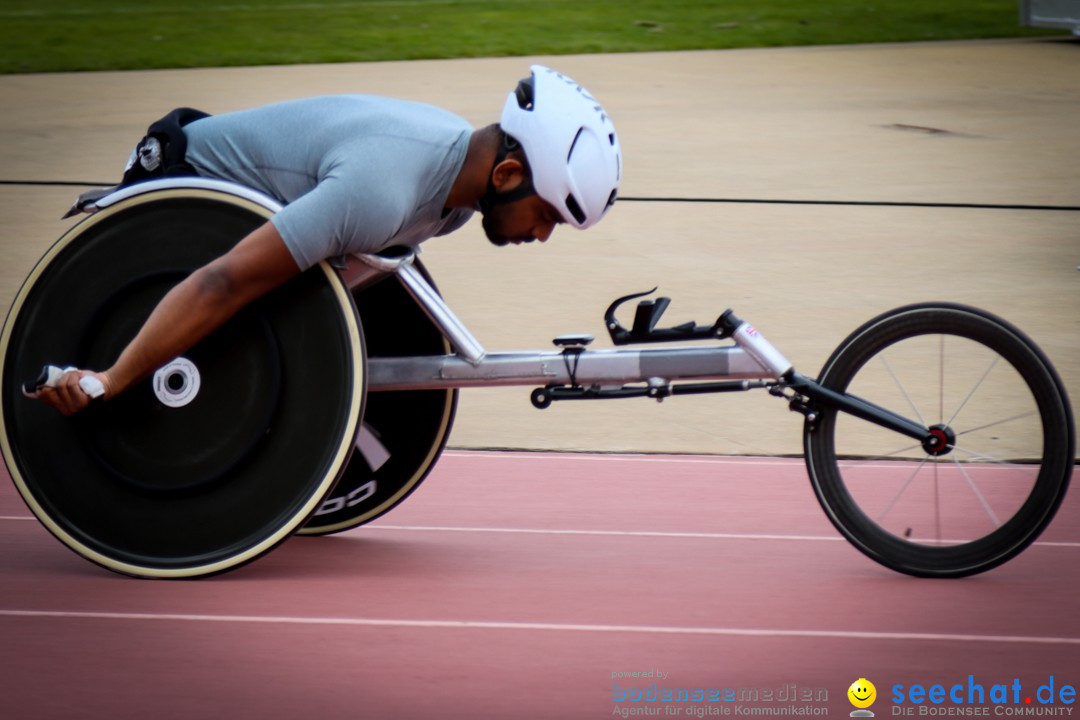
(150, 490)
(1012, 441)
(406, 431)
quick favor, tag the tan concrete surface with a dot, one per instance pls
(832, 123)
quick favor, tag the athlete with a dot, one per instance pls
(358, 174)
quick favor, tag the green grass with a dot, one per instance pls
(64, 35)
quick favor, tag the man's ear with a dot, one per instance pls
(507, 175)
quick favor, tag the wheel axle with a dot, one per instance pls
(940, 441)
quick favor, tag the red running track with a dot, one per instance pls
(530, 585)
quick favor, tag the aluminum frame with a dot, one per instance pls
(473, 366)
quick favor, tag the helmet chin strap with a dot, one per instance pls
(491, 197)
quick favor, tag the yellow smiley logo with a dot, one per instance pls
(862, 693)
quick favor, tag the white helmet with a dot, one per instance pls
(569, 142)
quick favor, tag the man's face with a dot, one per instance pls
(522, 221)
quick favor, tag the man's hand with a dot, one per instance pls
(193, 309)
(71, 392)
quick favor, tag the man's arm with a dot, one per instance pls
(196, 307)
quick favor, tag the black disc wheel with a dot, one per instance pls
(403, 432)
(994, 467)
(225, 451)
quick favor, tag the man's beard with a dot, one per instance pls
(493, 235)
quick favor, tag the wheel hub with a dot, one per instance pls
(177, 384)
(940, 440)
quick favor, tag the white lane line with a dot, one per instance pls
(554, 627)
(616, 533)
(688, 459)
(622, 457)
(612, 533)
(647, 533)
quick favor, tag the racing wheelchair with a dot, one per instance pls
(939, 440)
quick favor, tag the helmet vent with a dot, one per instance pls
(575, 209)
(525, 94)
(571, 153)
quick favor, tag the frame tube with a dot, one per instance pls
(580, 368)
(463, 341)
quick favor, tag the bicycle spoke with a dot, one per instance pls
(853, 462)
(977, 384)
(979, 495)
(900, 492)
(979, 456)
(997, 422)
(903, 390)
(937, 505)
(941, 378)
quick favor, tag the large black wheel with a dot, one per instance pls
(403, 432)
(1007, 426)
(220, 456)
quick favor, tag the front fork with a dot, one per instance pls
(808, 396)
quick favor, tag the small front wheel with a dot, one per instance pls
(994, 481)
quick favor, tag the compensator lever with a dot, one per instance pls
(646, 317)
